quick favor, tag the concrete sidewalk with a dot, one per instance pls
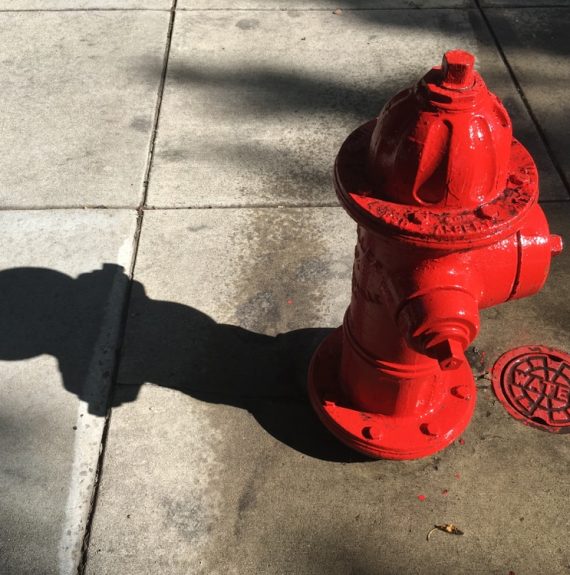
(173, 252)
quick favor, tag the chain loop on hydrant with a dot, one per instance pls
(448, 223)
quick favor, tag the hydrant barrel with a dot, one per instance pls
(448, 223)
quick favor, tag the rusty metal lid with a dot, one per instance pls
(533, 383)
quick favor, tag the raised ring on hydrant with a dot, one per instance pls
(448, 223)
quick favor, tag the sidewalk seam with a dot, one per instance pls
(269, 206)
(330, 9)
(324, 10)
(381, 9)
(125, 312)
(541, 133)
(34, 10)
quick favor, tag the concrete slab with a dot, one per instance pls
(320, 4)
(204, 478)
(62, 288)
(77, 108)
(535, 43)
(257, 104)
(23, 5)
(227, 266)
(523, 3)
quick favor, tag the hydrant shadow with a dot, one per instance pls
(43, 311)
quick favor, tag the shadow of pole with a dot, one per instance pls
(43, 311)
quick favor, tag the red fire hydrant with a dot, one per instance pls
(448, 223)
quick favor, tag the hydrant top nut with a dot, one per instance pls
(457, 69)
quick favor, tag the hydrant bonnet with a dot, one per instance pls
(444, 143)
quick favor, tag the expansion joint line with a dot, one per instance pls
(136, 240)
(524, 99)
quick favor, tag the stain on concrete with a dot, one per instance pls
(311, 270)
(259, 304)
(173, 155)
(140, 124)
(190, 517)
(283, 265)
(248, 24)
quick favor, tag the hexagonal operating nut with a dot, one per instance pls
(458, 70)
(450, 354)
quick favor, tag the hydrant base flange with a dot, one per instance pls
(388, 436)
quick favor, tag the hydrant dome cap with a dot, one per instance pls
(457, 68)
(445, 143)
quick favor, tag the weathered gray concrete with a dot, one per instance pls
(46, 5)
(535, 42)
(523, 3)
(228, 471)
(320, 4)
(59, 311)
(78, 96)
(242, 125)
(266, 270)
(283, 274)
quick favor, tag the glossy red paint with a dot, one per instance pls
(448, 223)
